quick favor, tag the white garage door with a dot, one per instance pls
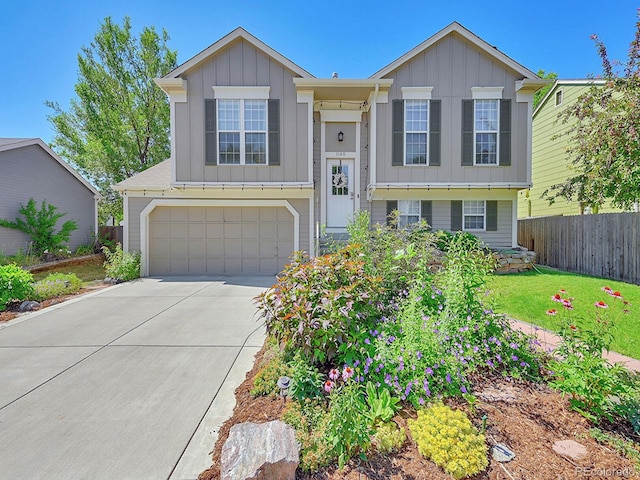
(219, 240)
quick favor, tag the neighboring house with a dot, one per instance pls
(550, 160)
(30, 169)
(265, 156)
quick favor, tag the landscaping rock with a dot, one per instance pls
(265, 451)
(569, 448)
(502, 453)
(29, 306)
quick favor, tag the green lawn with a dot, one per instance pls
(86, 271)
(527, 296)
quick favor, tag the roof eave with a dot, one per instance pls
(227, 40)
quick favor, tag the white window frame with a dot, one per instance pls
(479, 132)
(405, 212)
(486, 93)
(420, 94)
(465, 203)
(559, 97)
(242, 94)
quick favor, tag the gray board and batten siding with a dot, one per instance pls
(240, 64)
(30, 172)
(453, 66)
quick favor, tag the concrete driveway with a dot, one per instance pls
(130, 382)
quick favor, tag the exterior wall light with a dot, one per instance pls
(340, 136)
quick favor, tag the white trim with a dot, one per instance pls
(416, 93)
(425, 132)
(486, 93)
(577, 82)
(172, 132)
(240, 93)
(175, 88)
(340, 115)
(306, 96)
(373, 143)
(559, 92)
(312, 237)
(144, 219)
(484, 216)
(476, 132)
(514, 223)
(125, 219)
(450, 185)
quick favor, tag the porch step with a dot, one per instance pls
(331, 241)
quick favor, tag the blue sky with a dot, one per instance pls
(40, 40)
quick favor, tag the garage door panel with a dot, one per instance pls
(219, 240)
(215, 230)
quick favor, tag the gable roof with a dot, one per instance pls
(585, 82)
(157, 177)
(238, 33)
(466, 34)
(13, 143)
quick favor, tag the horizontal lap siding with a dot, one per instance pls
(441, 218)
(30, 172)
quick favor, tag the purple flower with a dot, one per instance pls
(418, 355)
(421, 401)
(448, 378)
(428, 371)
(514, 358)
(463, 389)
(367, 341)
(408, 389)
(490, 363)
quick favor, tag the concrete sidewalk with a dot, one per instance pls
(549, 341)
(125, 382)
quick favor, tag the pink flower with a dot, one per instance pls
(334, 374)
(328, 385)
(347, 373)
(556, 298)
(562, 290)
(552, 312)
(567, 304)
(616, 294)
(573, 327)
(601, 304)
(607, 290)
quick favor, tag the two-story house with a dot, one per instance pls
(265, 156)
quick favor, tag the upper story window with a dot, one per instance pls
(242, 132)
(416, 128)
(486, 128)
(242, 127)
(558, 98)
(486, 132)
(416, 114)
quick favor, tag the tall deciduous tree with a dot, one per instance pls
(604, 136)
(119, 123)
(540, 94)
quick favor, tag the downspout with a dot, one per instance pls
(373, 143)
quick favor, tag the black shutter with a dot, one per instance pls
(505, 132)
(426, 211)
(456, 215)
(492, 216)
(397, 126)
(434, 132)
(274, 131)
(391, 206)
(210, 133)
(467, 133)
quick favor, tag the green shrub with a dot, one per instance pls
(310, 421)
(55, 285)
(15, 285)
(306, 380)
(40, 225)
(448, 439)
(121, 266)
(388, 438)
(321, 306)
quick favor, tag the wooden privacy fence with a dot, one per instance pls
(115, 234)
(603, 245)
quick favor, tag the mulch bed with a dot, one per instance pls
(526, 417)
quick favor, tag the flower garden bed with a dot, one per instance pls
(397, 371)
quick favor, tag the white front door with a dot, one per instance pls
(340, 194)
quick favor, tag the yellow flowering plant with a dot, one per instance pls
(447, 438)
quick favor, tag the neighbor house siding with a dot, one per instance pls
(30, 172)
(550, 160)
(452, 67)
(240, 64)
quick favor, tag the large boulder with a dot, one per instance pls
(265, 451)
